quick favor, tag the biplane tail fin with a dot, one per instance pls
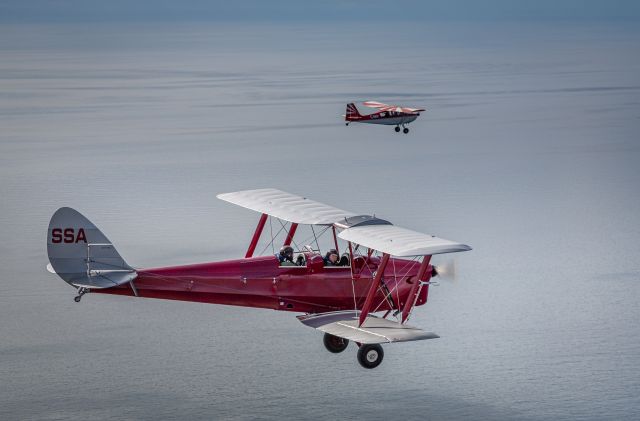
(352, 112)
(82, 255)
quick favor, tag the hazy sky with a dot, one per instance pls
(12, 11)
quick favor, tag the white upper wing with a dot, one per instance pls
(365, 230)
(286, 206)
(399, 241)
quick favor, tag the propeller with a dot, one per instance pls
(445, 271)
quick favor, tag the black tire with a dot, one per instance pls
(334, 344)
(77, 298)
(397, 129)
(406, 130)
(370, 356)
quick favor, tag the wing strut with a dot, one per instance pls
(372, 290)
(335, 240)
(415, 288)
(256, 236)
(292, 232)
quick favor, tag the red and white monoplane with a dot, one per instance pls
(384, 268)
(390, 115)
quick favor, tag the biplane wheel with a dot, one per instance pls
(335, 344)
(406, 130)
(397, 129)
(370, 356)
(77, 298)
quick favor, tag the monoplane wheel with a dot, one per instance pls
(335, 344)
(397, 129)
(370, 356)
(406, 130)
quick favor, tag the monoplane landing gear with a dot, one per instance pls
(335, 344)
(405, 130)
(81, 292)
(370, 355)
(397, 129)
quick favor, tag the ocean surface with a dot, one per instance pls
(529, 152)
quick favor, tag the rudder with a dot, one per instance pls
(82, 255)
(352, 112)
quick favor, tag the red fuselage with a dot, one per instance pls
(261, 282)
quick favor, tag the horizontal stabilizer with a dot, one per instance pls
(374, 330)
(106, 278)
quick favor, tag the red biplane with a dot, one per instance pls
(339, 298)
(390, 115)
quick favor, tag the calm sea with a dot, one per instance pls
(529, 152)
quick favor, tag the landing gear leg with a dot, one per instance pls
(335, 344)
(370, 356)
(81, 292)
(397, 129)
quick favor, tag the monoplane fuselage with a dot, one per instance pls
(390, 115)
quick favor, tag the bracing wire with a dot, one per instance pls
(395, 286)
(319, 235)
(353, 280)
(315, 237)
(272, 239)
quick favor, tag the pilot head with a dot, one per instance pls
(332, 257)
(286, 253)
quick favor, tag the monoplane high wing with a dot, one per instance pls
(374, 330)
(387, 107)
(286, 206)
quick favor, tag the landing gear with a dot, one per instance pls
(81, 292)
(397, 129)
(370, 356)
(335, 344)
(405, 130)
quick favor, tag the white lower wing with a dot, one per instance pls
(374, 330)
